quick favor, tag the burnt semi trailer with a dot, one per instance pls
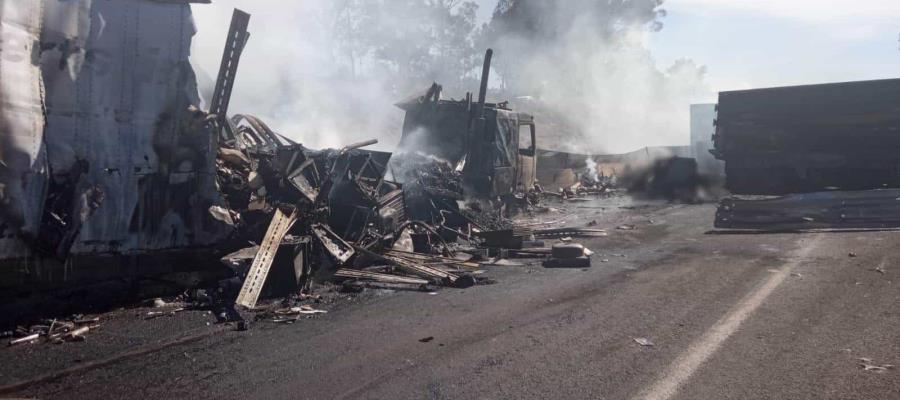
(810, 138)
(106, 171)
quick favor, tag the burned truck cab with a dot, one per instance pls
(495, 154)
(500, 159)
(493, 146)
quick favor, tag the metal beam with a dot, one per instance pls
(234, 46)
(256, 277)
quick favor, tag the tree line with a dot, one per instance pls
(412, 42)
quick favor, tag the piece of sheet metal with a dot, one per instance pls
(299, 179)
(826, 211)
(106, 86)
(378, 277)
(234, 46)
(22, 155)
(336, 246)
(122, 110)
(259, 270)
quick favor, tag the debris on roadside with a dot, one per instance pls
(72, 329)
(284, 220)
(25, 339)
(156, 314)
(569, 255)
(867, 364)
(159, 303)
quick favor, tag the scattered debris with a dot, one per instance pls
(868, 365)
(644, 342)
(72, 329)
(426, 339)
(502, 262)
(378, 277)
(569, 232)
(25, 339)
(568, 250)
(569, 255)
(304, 309)
(265, 256)
(291, 217)
(77, 334)
(169, 313)
(580, 262)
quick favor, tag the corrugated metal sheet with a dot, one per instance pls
(21, 124)
(118, 89)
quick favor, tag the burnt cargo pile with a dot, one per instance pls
(810, 138)
(189, 198)
(328, 210)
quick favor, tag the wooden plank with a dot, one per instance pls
(378, 277)
(421, 270)
(429, 259)
(256, 278)
(412, 268)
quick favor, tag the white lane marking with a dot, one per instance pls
(680, 371)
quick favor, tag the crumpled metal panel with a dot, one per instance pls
(66, 28)
(118, 88)
(125, 112)
(23, 167)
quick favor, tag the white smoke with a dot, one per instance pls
(605, 93)
(294, 76)
(591, 168)
(290, 77)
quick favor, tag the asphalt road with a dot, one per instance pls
(774, 316)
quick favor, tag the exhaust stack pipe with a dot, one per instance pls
(359, 145)
(485, 76)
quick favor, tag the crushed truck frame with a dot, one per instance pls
(493, 145)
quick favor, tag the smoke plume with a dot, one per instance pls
(584, 67)
(291, 75)
(328, 73)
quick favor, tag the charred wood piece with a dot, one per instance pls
(378, 277)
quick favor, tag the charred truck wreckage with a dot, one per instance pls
(192, 188)
(164, 235)
(827, 150)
